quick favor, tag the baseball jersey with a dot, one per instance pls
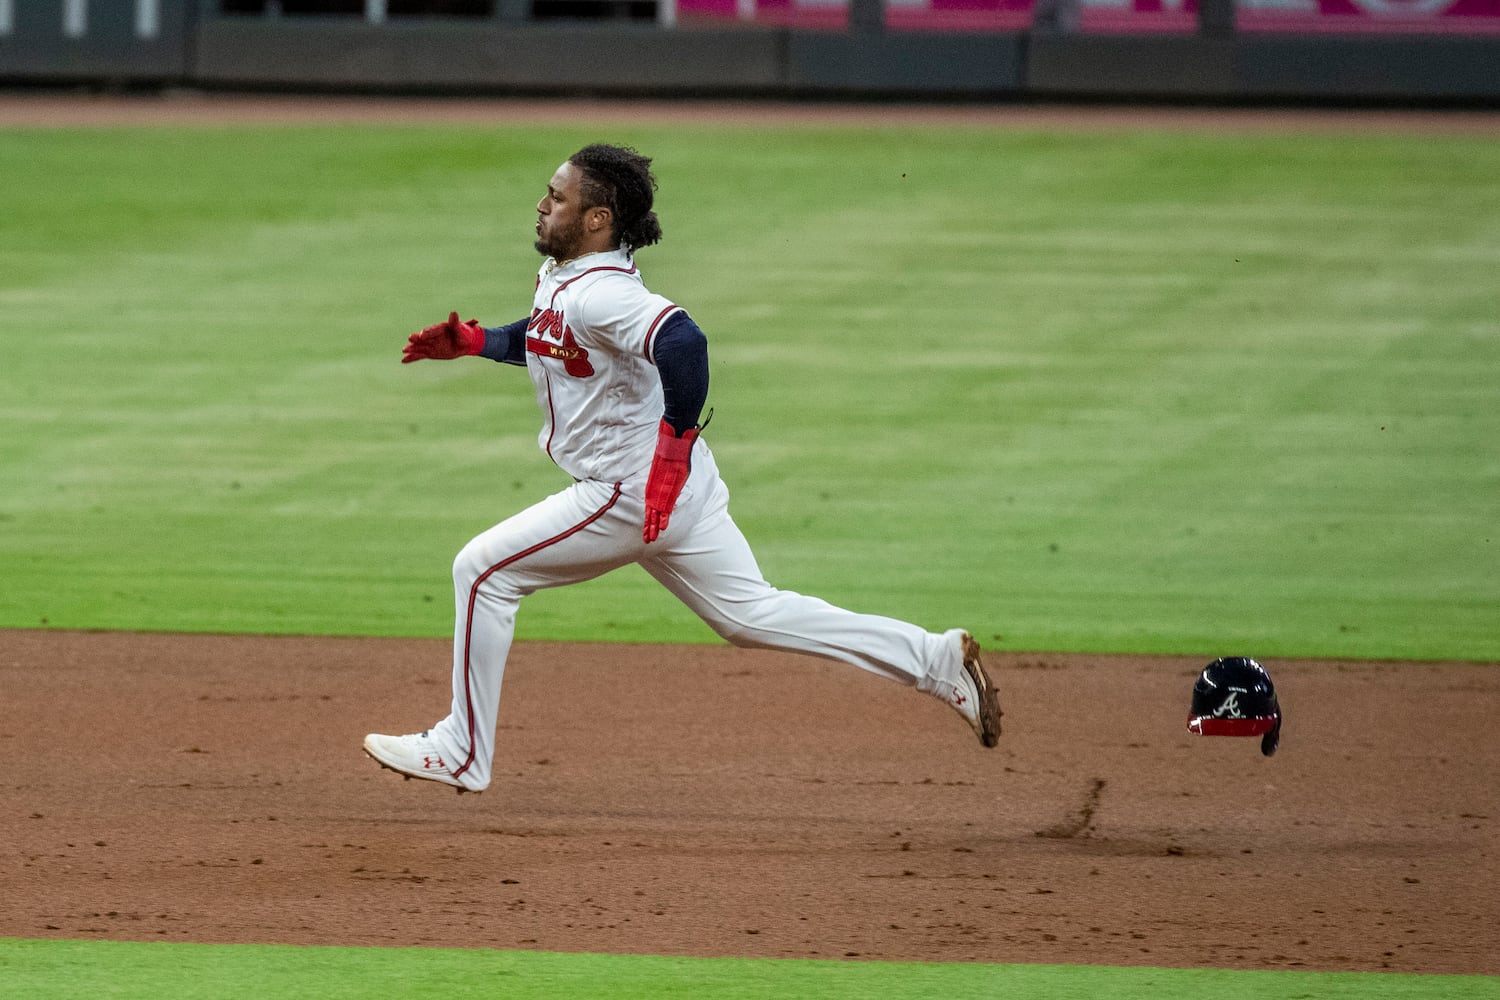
(589, 354)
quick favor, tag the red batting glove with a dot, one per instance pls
(442, 341)
(669, 472)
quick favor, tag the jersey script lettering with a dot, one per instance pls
(546, 323)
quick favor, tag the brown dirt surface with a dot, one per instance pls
(43, 109)
(703, 800)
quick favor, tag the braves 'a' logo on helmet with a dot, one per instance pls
(1229, 708)
(1234, 697)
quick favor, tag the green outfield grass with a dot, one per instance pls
(79, 970)
(1102, 392)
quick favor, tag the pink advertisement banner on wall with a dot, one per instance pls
(1479, 17)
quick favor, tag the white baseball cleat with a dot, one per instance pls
(968, 690)
(412, 756)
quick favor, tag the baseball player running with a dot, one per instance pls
(621, 376)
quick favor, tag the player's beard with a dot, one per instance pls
(561, 243)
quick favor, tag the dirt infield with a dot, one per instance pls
(193, 108)
(711, 801)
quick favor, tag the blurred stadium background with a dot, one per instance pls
(1429, 52)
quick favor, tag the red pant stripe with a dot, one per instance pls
(474, 596)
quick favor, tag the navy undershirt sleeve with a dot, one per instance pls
(506, 343)
(681, 352)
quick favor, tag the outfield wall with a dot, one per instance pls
(1115, 49)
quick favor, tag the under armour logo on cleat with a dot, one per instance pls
(428, 763)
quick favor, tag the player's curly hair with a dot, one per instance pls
(620, 179)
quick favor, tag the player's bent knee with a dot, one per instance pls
(465, 567)
(475, 573)
(471, 564)
(733, 632)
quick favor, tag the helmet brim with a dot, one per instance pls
(1209, 726)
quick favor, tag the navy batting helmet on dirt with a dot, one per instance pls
(1234, 697)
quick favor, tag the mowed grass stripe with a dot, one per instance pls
(1101, 392)
(90, 970)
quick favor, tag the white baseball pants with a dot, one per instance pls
(593, 527)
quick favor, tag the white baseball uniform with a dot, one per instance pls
(589, 354)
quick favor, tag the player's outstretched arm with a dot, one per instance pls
(442, 341)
